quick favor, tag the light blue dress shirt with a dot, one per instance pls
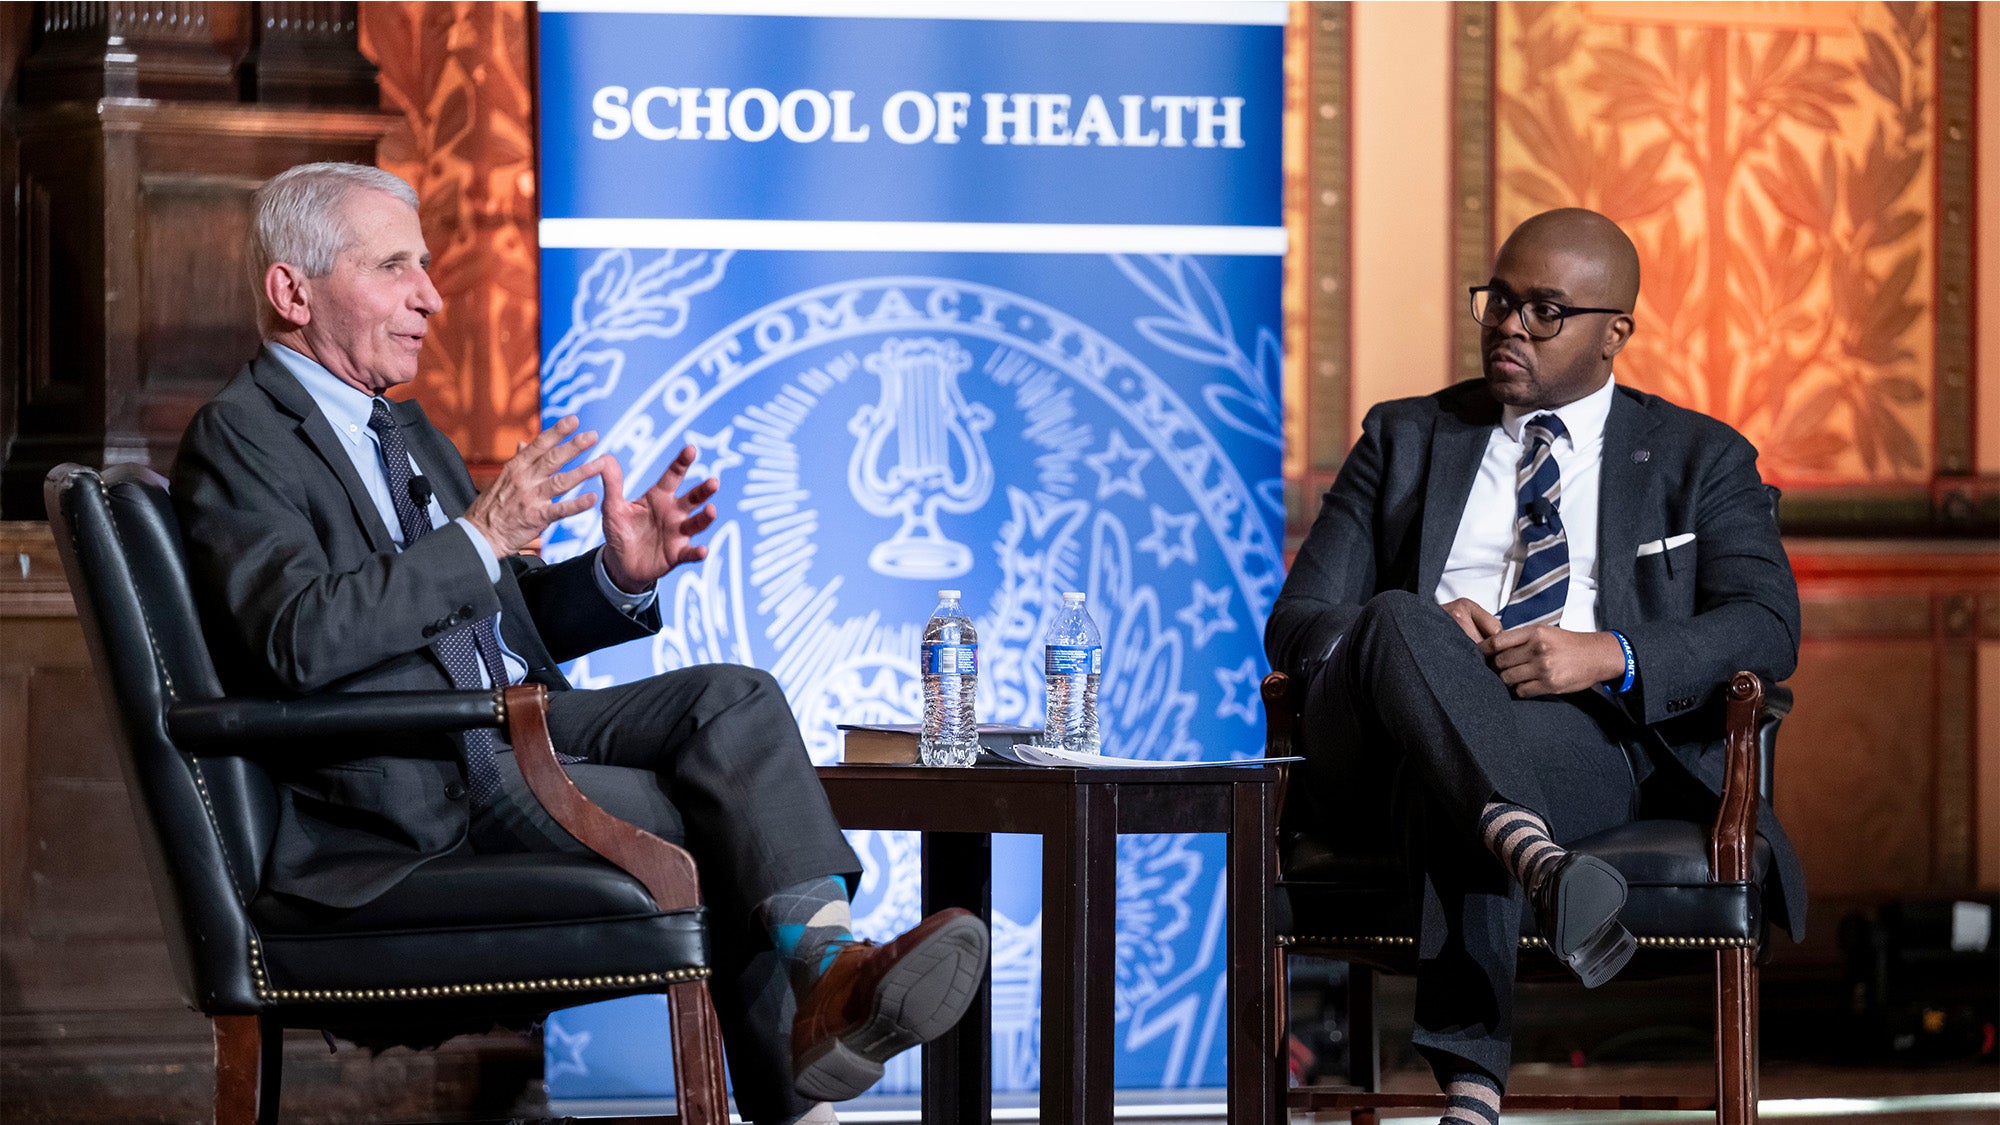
(347, 409)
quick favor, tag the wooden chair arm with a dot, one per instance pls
(665, 869)
(1281, 711)
(1729, 849)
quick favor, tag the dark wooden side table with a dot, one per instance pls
(1079, 814)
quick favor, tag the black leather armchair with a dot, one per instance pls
(1696, 904)
(462, 944)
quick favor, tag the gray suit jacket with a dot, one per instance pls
(302, 591)
(1695, 612)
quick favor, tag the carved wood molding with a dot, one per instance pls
(1473, 238)
(135, 49)
(308, 51)
(1318, 211)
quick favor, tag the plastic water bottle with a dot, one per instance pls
(1073, 661)
(950, 666)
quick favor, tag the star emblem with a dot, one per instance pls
(1208, 613)
(713, 454)
(562, 1053)
(1118, 466)
(1172, 536)
(1239, 691)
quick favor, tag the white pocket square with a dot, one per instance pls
(1667, 544)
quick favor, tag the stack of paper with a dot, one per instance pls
(1030, 754)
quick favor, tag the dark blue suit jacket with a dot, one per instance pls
(302, 591)
(1695, 613)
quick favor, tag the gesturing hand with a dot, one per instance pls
(1545, 660)
(520, 504)
(646, 537)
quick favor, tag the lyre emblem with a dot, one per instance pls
(939, 462)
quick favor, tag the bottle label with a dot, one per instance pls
(1068, 660)
(939, 660)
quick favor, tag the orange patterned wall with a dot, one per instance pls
(1774, 163)
(459, 75)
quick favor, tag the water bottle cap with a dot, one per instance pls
(947, 595)
(1073, 598)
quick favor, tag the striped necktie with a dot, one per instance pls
(463, 650)
(1542, 586)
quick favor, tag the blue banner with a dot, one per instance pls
(903, 120)
(884, 423)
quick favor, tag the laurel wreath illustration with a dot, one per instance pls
(1198, 329)
(618, 301)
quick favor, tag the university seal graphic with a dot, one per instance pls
(877, 438)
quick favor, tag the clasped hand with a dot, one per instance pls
(1539, 659)
(643, 538)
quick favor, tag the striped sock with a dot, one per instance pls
(1520, 839)
(1471, 1098)
(809, 922)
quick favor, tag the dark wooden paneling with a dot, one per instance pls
(139, 306)
(196, 303)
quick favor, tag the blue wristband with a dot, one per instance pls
(1631, 666)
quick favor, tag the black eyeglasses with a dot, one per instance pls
(1491, 305)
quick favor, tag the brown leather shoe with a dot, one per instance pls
(876, 1001)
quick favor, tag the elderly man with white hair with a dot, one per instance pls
(336, 543)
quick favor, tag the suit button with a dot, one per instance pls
(431, 630)
(453, 791)
(464, 613)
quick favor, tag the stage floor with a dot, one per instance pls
(1806, 1094)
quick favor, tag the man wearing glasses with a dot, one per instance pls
(1530, 590)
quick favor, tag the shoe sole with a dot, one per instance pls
(917, 1000)
(1589, 938)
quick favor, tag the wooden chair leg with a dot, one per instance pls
(249, 1066)
(1364, 1035)
(1364, 1040)
(699, 1095)
(1281, 1021)
(1736, 1045)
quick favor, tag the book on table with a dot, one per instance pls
(895, 744)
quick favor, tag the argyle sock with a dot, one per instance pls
(1520, 839)
(1472, 1098)
(809, 922)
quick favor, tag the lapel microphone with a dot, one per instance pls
(420, 491)
(1541, 513)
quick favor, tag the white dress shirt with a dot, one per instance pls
(1486, 554)
(348, 409)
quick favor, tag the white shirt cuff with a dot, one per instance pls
(486, 554)
(628, 604)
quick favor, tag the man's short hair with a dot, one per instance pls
(295, 218)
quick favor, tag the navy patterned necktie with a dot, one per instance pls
(464, 649)
(1542, 587)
